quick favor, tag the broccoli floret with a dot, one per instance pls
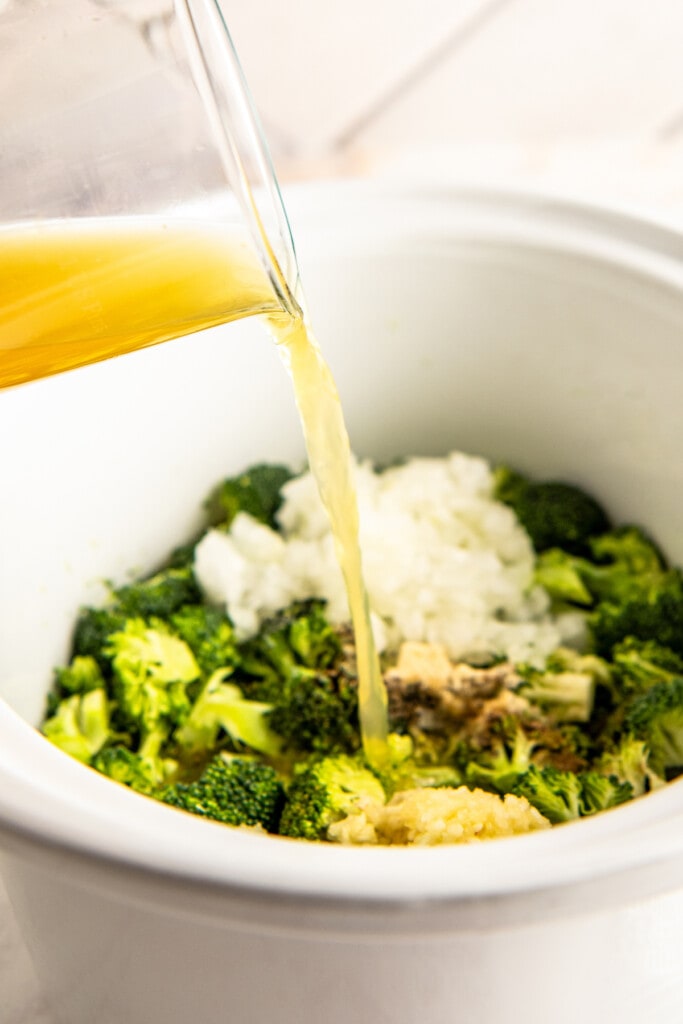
(563, 796)
(560, 573)
(152, 669)
(600, 792)
(93, 629)
(627, 582)
(314, 714)
(298, 637)
(417, 776)
(556, 794)
(265, 660)
(128, 768)
(159, 595)
(628, 762)
(256, 492)
(515, 743)
(651, 608)
(80, 676)
(639, 664)
(565, 688)
(495, 757)
(619, 560)
(209, 635)
(402, 770)
(314, 641)
(324, 792)
(555, 515)
(222, 706)
(293, 666)
(656, 718)
(498, 769)
(564, 745)
(234, 791)
(627, 549)
(80, 724)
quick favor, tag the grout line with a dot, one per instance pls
(454, 42)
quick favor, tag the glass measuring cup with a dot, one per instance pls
(138, 201)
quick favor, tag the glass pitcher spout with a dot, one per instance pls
(244, 152)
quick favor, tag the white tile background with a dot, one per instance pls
(580, 96)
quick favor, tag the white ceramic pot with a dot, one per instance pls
(546, 335)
